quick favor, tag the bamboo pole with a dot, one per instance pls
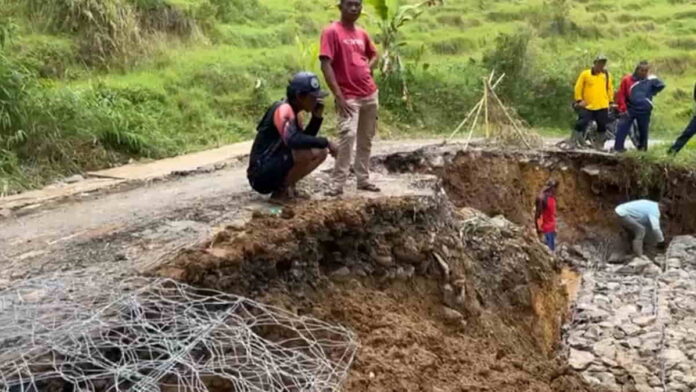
(512, 121)
(485, 106)
(473, 125)
(480, 102)
(464, 121)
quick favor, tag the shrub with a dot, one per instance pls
(456, 45)
(536, 87)
(107, 28)
(238, 11)
(46, 56)
(14, 86)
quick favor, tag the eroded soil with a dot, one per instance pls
(441, 299)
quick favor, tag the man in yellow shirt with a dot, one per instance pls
(594, 93)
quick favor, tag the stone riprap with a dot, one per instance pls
(634, 323)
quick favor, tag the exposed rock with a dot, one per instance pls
(652, 270)
(607, 380)
(73, 179)
(635, 267)
(443, 266)
(449, 296)
(341, 274)
(674, 275)
(617, 258)
(581, 251)
(383, 260)
(605, 350)
(625, 312)
(522, 296)
(644, 321)
(501, 222)
(406, 272)
(673, 357)
(576, 341)
(451, 314)
(591, 170)
(407, 255)
(676, 386)
(580, 360)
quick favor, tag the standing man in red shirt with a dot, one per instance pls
(347, 57)
(545, 217)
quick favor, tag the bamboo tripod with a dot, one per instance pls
(486, 104)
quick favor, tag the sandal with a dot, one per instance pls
(368, 187)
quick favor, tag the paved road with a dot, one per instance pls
(139, 225)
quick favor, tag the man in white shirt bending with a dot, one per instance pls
(641, 217)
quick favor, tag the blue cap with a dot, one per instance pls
(306, 83)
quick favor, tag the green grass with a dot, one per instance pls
(196, 74)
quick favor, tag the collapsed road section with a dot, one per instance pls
(442, 299)
(447, 289)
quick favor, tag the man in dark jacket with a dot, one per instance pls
(283, 153)
(687, 134)
(635, 104)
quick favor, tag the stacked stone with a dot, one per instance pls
(634, 325)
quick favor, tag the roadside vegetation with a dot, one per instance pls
(87, 84)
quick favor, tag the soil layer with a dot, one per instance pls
(441, 299)
(591, 186)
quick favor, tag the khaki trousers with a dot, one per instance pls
(356, 131)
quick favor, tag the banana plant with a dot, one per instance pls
(308, 54)
(391, 16)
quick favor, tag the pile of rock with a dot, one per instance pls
(633, 325)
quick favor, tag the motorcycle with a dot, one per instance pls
(591, 133)
(612, 129)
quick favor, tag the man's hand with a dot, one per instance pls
(333, 149)
(318, 109)
(581, 104)
(343, 106)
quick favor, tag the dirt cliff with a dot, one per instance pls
(441, 299)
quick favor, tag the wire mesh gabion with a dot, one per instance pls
(77, 333)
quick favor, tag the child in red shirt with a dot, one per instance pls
(545, 216)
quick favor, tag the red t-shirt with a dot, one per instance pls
(548, 216)
(350, 51)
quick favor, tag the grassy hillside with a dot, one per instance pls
(85, 84)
